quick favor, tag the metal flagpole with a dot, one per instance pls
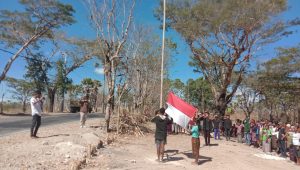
(162, 57)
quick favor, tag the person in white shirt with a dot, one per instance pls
(36, 103)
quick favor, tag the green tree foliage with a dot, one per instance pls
(20, 89)
(37, 71)
(279, 81)
(177, 86)
(223, 35)
(36, 23)
(62, 82)
(199, 93)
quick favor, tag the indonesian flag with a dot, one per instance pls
(179, 110)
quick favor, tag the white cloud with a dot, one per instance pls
(99, 70)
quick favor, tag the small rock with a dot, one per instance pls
(67, 156)
(45, 143)
(133, 161)
(100, 144)
(48, 153)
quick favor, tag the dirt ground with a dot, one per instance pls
(60, 145)
(222, 155)
(56, 148)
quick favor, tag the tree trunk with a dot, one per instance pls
(51, 98)
(1, 104)
(298, 114)
(62, 102)
(24, 106)
(110, 76)
(221, 103)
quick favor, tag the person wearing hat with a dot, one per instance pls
(36, 103)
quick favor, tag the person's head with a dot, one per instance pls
(156, 112)
(206, 113)
(162, 111)
(37, 94)
(267, 126)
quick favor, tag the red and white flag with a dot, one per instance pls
(179, 110)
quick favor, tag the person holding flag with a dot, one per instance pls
(161, 121)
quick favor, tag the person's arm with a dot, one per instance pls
(36, 100)
(154, 119)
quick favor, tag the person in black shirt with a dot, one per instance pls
(282, 140)
(227, 127)
(161, 121)
(207, 127)
(216, 123)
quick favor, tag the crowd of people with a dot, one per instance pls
(278, 137)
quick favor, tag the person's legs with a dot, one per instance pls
(283, 148)
(206, 137)
(33, 124)
(162, 150)
(215, 133)
(197, 147)
(81, 119)
(38, 124)
(157, 142)
(226, 134)
(264, 146)
(218, 133)
(239, 138)
(193, 147)
(84, 118)
(247, 134)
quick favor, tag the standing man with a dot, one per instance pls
(282, 140)
(84, 108)
(207, 127)
(227, 127)
(216, 123)
(161, 121)
(247, 130)
(36, 103)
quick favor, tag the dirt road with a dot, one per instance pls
(222, 155)
(10, 124)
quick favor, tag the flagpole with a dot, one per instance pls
(162, 57)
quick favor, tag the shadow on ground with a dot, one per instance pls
(54, 135)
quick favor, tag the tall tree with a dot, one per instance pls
(22, 29)
(279, 82)
(112, 21)
(222, 36)
(21, 90)
(62, 82)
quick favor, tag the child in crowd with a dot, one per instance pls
(239, 127)
(266, 138)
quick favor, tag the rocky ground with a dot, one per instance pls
(57, 148)
(65, 146)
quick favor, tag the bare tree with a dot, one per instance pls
(112, 20)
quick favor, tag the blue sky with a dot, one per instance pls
(143, 15)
